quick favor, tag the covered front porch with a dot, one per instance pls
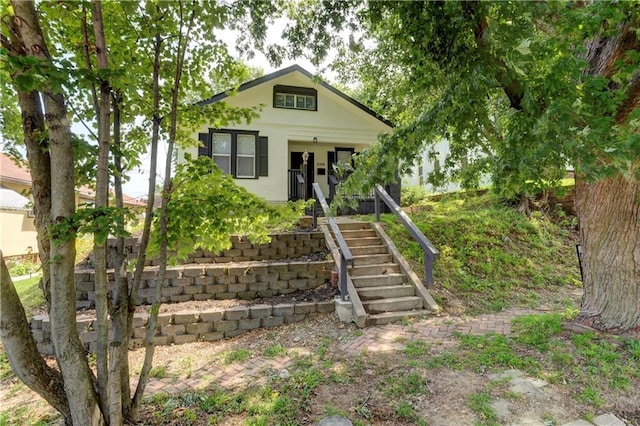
(316, 162)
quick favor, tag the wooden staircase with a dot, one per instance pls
(384, 282)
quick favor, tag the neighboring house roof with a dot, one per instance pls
(293, 68)
(130, 201)
(10, 199)
(11, 172)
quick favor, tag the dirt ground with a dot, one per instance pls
(446, 401)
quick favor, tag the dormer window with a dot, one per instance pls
(292, 97)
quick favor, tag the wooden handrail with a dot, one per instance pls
(430, 252)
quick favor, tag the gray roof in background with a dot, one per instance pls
(10, 199)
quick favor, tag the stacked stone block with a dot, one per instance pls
(287, 245)
(247, 280)
(191, 326)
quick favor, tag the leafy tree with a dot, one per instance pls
(520, 90)
(120, 69)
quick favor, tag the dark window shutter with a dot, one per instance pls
(263, 156)
(205, 140)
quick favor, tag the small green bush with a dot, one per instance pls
(413, 195)
(26, 267)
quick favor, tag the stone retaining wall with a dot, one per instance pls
(288, 245)
(246, 280)
(191, 326)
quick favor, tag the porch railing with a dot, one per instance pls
(296, 185)
(345, 253)
(430, 252)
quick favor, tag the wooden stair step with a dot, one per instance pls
(378, 269)
(362, 250)
(405, 303)
(350, 226)
(387, 317)
(365, 241)
(359, 233)
(372, 259)
(386, 291)
(378, 280)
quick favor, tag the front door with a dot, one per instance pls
(340, 155)
(297, 164)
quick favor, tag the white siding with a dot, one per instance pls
(336, 123)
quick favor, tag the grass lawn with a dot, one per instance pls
(491, 257)
(30, 294)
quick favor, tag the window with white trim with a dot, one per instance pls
(242, 154)
(292, 97)
(221, 150)
(246, 156)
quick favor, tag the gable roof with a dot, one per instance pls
(293, 68)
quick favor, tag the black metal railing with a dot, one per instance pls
(430, 252)
(345, 253)
(296, 185)
(333, 186)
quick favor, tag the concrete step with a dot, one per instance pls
(378, 280)
(387, 317)
(379, 269)
(358, 233)
(372, 259)
(350, 226)
(359, 251)
(387, 291)
(366, 241)
(405, 303)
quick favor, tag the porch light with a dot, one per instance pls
(315, 140)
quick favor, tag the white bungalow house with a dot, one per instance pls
(427, 165)
(431, 160)
(299, 114)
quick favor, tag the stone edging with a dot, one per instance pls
(242, 280)
(191, 326)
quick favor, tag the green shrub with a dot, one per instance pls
(27, 267)
(413, 195)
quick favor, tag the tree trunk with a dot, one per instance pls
(36, 142)
(119, 387)
(40, 168)
(609, 216)
(609, 210)
(70, 353)
(183, 42)
(103, 108)
(22, 352)
(146, 231)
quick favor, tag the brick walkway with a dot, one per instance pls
(435, 331)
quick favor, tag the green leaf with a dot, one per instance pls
(523, 47)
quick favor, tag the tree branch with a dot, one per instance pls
(21, 349)
(503, 75)
(632, 99)
(605, 53)
(87, 60)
